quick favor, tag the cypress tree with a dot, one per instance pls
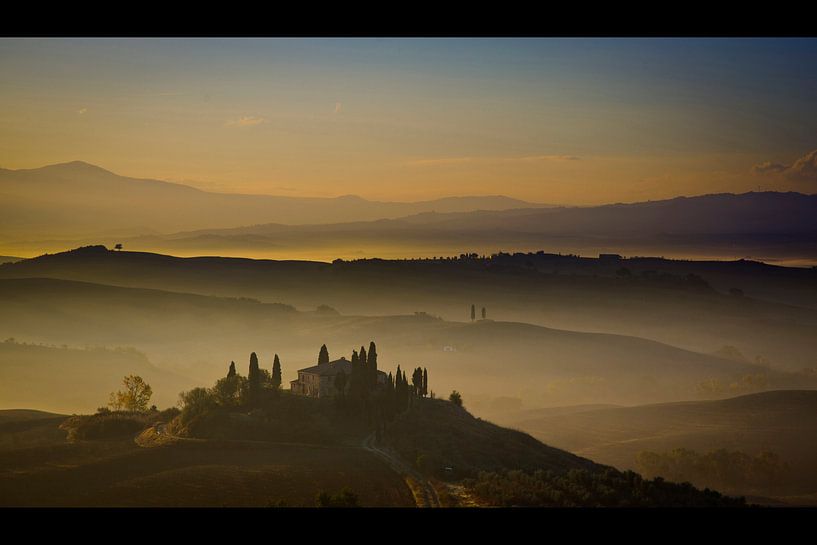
(483, 313)
(373, 362)
(355, 379)
(364, 370)
(254, 378)
(323, 357)
(473, 312)
(276, 373)
(425, 382)
(231, 372)
(417, 380)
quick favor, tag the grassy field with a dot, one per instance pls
(190, 473)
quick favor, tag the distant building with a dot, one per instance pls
(609, 257)
(319, 380)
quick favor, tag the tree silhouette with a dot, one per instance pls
(118, 247)
(231, 372)
(276, 373)
(254, 377)
(473, 313)
(417, 380)
(483, 313)
(323, 357)
(455, 398)
(372, 355)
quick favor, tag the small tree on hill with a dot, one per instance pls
(276, 373)
(455, 398)
(473, 313)
(483, 313)
(135, 397)
(231, 371)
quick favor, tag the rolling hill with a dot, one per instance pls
(768, 323)
(784, 422)
(197, 336)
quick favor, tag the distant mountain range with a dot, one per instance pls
(61, 206)
(78, 198)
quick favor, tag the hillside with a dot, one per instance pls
(75, 380)
(197, 336)
(656, 301)
(784, 422)
(434, 436)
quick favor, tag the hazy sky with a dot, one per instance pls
(549, 120)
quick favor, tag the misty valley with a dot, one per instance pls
(696, 372)
(576, 274)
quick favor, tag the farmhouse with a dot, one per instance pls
(319, 380)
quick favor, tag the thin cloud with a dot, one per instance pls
(513, 159)
(246, 121)
(767, 167)
(82, 111)
(803, 169)
(338, 107)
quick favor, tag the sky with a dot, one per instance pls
(563, 121)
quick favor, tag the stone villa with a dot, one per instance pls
(319, 380)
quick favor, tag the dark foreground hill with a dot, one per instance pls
(154, 468)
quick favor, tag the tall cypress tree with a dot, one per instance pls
(231, 372)
(254, 378)
(473, 312)
(355, 378)
(483, 313)
(276, 373)
(364, 371)
(425, 382)
(372, 354)
(323, 357)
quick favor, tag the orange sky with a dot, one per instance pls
(555, 121)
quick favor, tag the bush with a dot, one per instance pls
(346, 498)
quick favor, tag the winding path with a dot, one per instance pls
(426, 495)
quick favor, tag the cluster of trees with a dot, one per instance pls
(362, 381)
(722, 469)
(583, 488)
(474, 312)
(233, 390)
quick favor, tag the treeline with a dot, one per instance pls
(583, 488)
(722, 469)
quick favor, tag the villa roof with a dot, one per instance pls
(330, 369)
